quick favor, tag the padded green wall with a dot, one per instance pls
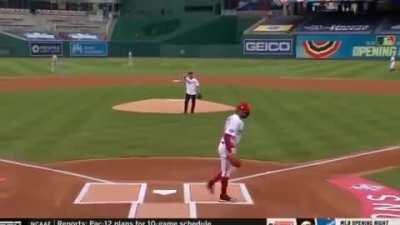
(10, 46)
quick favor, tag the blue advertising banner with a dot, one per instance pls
(46, 48)
(268, 47)
(347, 46)
(88, 48)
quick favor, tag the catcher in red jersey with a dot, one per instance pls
(227, 149)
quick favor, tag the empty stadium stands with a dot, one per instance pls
(44, 20)
(15, 19)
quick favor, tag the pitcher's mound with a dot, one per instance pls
(171, 106)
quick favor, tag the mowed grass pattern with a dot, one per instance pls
(64, 124)
(344, 69)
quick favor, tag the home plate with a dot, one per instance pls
(164, 192)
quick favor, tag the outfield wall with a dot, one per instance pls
(121, 49)
(211, 51)
(11, 47)
(338, 46)
(307, 46)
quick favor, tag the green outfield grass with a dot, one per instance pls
(68, 124)
(347, 69)
(390, 177)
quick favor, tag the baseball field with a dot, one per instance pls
(314, 127)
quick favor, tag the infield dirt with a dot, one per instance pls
(301, 192)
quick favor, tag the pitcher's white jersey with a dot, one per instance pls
(191, 86)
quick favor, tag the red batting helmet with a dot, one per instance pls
(245, 107)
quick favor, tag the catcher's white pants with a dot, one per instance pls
(226, 166)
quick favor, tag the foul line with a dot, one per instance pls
(192, 210)
(246, 194)
(56, 171)
(316, 163)
(186, 193)
(133, 210)
(142, 192)
(82, 194)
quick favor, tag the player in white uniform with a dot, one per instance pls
(130, 58)
(54, 60)
(393, 62)
(227, 149)
(192, 86)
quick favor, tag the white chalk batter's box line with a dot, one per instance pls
(243, 190)
(133, 210)
(134, 204)
(86, 187)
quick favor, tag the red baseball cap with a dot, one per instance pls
(244, 106)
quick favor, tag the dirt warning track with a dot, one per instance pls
(115, 188)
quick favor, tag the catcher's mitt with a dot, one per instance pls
(199, 96)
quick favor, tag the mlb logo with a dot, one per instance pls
(388, 40)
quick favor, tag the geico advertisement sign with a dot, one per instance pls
(268, 46)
